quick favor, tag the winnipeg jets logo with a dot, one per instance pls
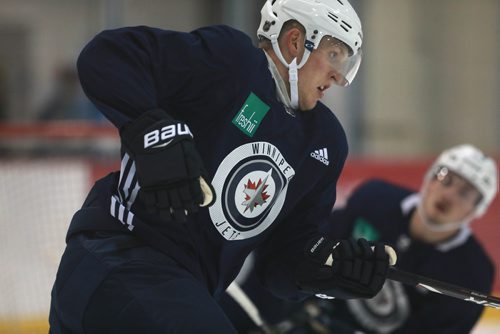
(255, 194)
(383, 313)
(251, 185)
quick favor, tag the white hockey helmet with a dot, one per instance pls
(335, 18)
(471, 164)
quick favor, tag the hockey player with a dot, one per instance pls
(430, 230)
(218, 140)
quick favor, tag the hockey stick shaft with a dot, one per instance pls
(443, 288)
(248, 306)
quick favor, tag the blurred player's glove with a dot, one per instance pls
(169, 169)
(345, 269)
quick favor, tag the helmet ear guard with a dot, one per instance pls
(471, 164)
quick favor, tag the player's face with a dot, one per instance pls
(449, 197)
(322, 70)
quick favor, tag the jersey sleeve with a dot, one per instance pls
(341, 220)
(374, 202)
(128, 71)
(278, 257)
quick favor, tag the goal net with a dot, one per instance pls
(46, 171)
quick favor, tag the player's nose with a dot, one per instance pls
(337, 78)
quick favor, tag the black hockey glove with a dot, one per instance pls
(169, 169)
(345, 269)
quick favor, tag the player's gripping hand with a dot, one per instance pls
(345, 269)
(169, 169)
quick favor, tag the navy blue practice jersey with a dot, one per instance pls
(378, 210)
(274, 171)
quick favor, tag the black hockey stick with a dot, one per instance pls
(443, 288)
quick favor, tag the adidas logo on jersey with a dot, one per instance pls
(321, 155)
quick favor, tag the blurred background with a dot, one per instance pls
(430, 79)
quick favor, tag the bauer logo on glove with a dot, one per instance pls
(172, 178)
(160, 138)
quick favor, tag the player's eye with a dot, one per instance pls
(333, 55)
(467, 193)
(337, 53)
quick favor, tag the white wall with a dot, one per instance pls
(430, 75)
(56, 31)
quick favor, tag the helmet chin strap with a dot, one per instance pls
(293, 71)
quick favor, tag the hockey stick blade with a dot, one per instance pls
(443, 288)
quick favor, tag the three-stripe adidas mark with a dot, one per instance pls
(321, 155)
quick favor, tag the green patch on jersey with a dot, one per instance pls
(363, 229)
(250, 115)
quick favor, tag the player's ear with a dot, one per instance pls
(294, 40)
